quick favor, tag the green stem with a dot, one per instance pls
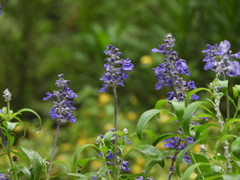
(116, 129)
(53, 149)
(7, 145)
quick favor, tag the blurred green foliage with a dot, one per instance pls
(42, 38)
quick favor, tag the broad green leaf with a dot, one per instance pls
(151, 152)
(179, 109)
(144, 119)
(76, 154)
(188, 114)
(191, 169)
(221, 140)
(235, 147)
(36, 162)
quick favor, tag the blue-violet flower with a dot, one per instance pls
(62, 106)
(169, 73)
(218, 59)
(115, 69)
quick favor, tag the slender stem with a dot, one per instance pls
(172, 170)
(53, 149)
(7, 145)
(116, 129)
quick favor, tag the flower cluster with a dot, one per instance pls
(178, 143)
(7, 95)
(217, 58)
(115, 67)
(109, 155)
(169, 72)
(62, 106)
(0, 9)
(4, 177)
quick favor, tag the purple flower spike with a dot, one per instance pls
(115, 67)
(169, 73)
(218, 57)
(62, 106)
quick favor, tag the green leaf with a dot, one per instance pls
(36, 162)
(108, 138)
(235, 147)
(150, 134)
(151, 152)
(199, 158)
(236, 91)
(222, 139)
(191, 169)
(31, 111)
(76, 154)
(10, 125)
(149, 167)
(188, 114)
(160, 103)
(78, 176)
(83, 162)
(179, 109)
(228, 123)
(202, 128)
(25, 172)
(144, 119)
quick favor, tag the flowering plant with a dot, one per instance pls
(197, 119)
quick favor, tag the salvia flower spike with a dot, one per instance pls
(169, 73)
(62, 106)
(116, 68)
(218, 59)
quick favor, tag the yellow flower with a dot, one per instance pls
(146, 60)
(104, 98)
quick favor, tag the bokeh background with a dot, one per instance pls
(40, 39)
